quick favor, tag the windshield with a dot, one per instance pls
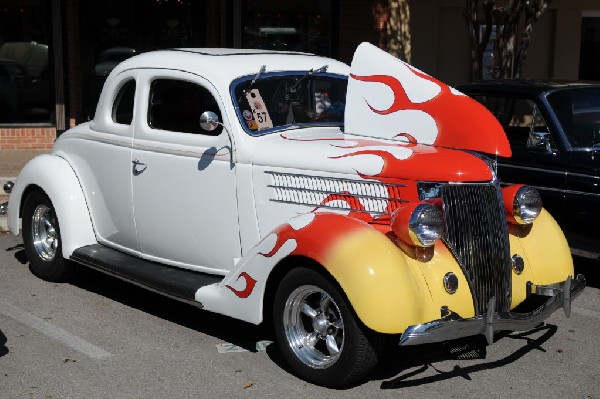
(578, 111)
(288, 100)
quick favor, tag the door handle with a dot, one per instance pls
(136, 167)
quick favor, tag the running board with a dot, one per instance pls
(174, 282)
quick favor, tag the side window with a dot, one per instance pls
(122, 110)
(176, 105)
(519, 117)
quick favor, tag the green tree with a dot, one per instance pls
(512, 22)
(392, 22)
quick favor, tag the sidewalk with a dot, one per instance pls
(11, 163)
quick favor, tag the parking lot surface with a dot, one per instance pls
(98, 337)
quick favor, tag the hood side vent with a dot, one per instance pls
(336, 193)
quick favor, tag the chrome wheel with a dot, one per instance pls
(313, 326)
(41, 238)
(44, 232)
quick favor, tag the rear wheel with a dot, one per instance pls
(318, 333)
(41, 236)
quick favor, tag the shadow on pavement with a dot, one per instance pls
(423, 358)
(590, 269)
(3, 348)
(242, 334)
(20, 254)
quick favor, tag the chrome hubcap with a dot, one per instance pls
(313, 326)
(44, 232)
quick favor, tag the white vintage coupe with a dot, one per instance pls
(342, 204)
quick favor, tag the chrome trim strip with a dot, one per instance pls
(491, 321)
(341, 179)
(164, 148)
(555, 190)
(120, 141)
(580, 193)
(338, 193)
(567, 173)
(330, 207)
(554, 172)
(583, 175)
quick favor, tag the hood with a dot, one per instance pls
(384, 160)
(388, 98)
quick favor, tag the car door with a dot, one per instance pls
(539, 164)
(583, 202)
(183, 177)
(102, 160)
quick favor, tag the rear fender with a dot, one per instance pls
(56, 178)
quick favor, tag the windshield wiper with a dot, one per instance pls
(309, 73)
(247, 90)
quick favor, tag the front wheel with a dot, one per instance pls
(318, 333)
(41, 236)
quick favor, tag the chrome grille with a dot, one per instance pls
(476, 232)
(336, 193)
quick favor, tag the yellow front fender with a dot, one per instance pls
(388, 289)
(546, 253)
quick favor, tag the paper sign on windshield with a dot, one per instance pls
(259, 109)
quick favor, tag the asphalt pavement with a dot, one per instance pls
(99, 337)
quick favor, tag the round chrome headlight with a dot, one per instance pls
(426, 225)
(527, 205)
(420, 224)
(521, 203)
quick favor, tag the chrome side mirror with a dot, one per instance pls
(539, 141)
(209, 121)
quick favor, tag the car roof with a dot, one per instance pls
(529, 86)
(221, 66)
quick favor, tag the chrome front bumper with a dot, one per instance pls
(557, 296)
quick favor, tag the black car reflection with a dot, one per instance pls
(23, 98)
(554, 132)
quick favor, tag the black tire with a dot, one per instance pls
(41, 236)
(308, 338)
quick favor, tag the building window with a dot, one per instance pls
(288, 25)
(118, 30)
(589, 58)
(25, 78)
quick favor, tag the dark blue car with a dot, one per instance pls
(554, 131)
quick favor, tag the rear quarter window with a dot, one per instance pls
(122, 111)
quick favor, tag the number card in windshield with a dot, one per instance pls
(259, 109)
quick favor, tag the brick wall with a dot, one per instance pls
(27, 138)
